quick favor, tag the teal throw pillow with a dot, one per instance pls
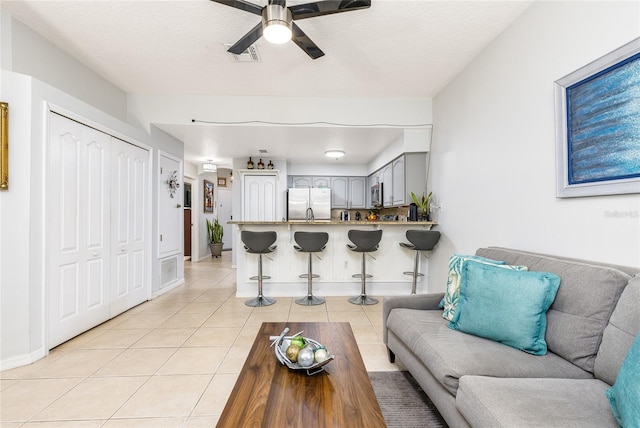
(505, 305)
(452, 294)
(624, 395)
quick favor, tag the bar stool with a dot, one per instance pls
(421, 240)
(310, 242)
(365, 241)
(259, 243)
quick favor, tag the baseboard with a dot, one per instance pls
(168, 288)
(22, 360)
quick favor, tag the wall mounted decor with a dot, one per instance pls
(173, 183)
(4, 146)
(597, 126)
(208, 196)
(222, 182)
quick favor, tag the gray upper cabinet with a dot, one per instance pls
(346, 192)
(409, 175)
(301, 181)
(397, 167)
(339, 192)
(357, 192)
(405, 174)
(321, 182)
(387, 185)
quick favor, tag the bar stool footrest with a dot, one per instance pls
(306, 275)
(359, 275)
(255, 278)
(410, 272)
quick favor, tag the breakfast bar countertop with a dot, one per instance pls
(335, 223)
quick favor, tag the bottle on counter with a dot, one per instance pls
(250, 164)
(260, 164)
(270, 165)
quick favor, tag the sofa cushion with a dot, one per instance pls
(624, 395)
(505, 305)
(620, 333)
(586, 298)
(450, 354)
(452, 293)
(494, 402)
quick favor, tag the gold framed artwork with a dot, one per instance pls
(222, 182)
(4, 146)
(208, 196)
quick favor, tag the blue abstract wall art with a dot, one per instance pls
(603, 124)
(598, 126)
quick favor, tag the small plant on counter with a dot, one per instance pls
(424, 203)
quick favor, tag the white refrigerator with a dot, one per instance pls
(307, 203)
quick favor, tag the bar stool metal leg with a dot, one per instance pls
(363, 299)
(415, 274)
(310, 299)
(260, 300)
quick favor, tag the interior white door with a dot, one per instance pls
(224, 216)
(171, 213)
(78, 229)
(130, 282)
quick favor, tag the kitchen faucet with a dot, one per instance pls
(309, 214)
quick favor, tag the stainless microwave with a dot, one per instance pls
(376, 195)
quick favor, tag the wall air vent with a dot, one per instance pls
(263, 151)
(250, 55)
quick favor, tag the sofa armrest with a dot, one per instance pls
(415, 301)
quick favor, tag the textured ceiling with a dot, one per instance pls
(395, 49)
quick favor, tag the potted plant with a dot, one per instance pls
(215, 237)
(424, 205)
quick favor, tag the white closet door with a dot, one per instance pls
(77, 198)
(260, 198)
(130, 282)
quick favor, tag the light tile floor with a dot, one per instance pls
(169, 362)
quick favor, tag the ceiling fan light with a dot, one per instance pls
(276, 24)
(334, 153)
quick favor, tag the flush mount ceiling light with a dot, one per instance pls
(276, 24)
(334, 153)
(209, 167)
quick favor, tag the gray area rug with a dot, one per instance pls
(402, 401)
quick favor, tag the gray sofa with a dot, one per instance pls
(591, 325)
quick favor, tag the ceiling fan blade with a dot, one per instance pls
(242, 5)
(247, 40)
(319, 8)
(305, 43)
(282, 3)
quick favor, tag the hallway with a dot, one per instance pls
(169, 362)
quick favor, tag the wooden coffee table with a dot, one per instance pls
(268, 394)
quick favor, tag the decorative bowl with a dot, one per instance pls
(282, 342)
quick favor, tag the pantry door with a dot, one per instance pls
(130, 223)
(77, 206)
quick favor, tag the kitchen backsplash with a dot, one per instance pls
(400, 212)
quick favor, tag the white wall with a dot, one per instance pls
(493, 149)
(35, 56)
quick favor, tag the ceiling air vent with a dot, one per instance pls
(250, 55)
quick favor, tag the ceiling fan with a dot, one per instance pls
(277, 24)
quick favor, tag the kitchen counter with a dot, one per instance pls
(336, 223)
(335, 265)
